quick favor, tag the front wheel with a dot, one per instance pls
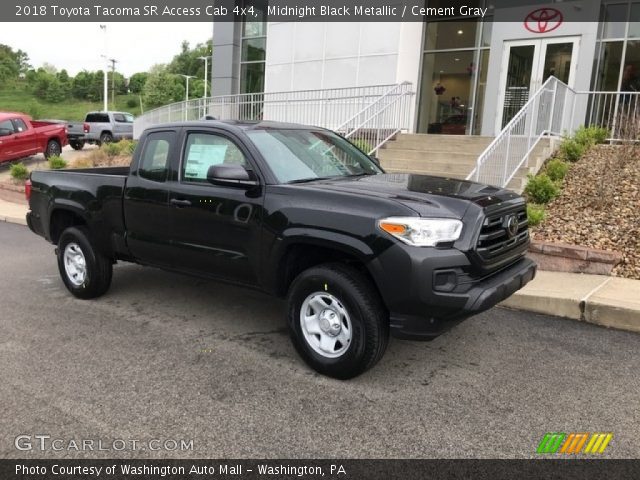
(337, 321)
(85, 272)
(53, 149)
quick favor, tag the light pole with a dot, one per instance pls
(106, 60)
(186, 95)
(206, 68)
(113, 81)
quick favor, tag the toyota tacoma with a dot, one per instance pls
(297, 212)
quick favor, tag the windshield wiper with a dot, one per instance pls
(310, 179)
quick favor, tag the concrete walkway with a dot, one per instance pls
(12, 212)
(608, 301)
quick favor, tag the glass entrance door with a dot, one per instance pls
(527, 64)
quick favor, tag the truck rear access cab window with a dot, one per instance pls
(297, 212)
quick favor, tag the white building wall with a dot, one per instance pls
(323, 55)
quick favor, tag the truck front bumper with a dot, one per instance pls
(429, 291)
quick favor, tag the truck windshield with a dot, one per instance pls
(305, 155)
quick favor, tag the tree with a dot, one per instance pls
(137, 81)
(162, 87)
(13, 64)
(187, 62)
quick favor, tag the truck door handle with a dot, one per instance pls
(180, 203)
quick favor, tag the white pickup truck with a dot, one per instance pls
(100, 127)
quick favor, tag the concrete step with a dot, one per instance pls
(416, 166)
(462, 143)
(428, 156)
(435, 173)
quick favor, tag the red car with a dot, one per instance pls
(22, 137)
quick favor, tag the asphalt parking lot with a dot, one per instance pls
(169, 357)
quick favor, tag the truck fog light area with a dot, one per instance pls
(445, 281)
(422, 232)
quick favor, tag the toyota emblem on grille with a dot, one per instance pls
(511, 225)
(543, 20)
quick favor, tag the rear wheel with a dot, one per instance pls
(53, 149)
(85, 272)
(77, 144)
(337, 321)
(106, 137)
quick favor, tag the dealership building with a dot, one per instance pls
(469, 76)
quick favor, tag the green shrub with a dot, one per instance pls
(19, 171)
(56, 162)
(131, 103)
(34, 110)
(540, 189)
(571, 150)
(588, 136)
(127, 147)
(556, 169)
(362, 145)
(111, 149)
(535, 214)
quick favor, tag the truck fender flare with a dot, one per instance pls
(63, 204)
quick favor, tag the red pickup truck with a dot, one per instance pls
(22, 137)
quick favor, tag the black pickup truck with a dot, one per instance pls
(297, 212)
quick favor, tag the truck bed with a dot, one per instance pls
(94, 193)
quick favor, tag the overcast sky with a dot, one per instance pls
(78, 46)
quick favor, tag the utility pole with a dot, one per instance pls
(106, 87)
(113, 82)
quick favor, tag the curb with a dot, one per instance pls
(611, 302)
(16, 220)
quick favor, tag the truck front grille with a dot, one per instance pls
(495, 240)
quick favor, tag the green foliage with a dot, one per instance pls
(162, 87)
(535, 214)
(556, 169)
(123, 147)
(56, 162)
(12, 64)
(137, 81)
(540, 189)
(131, 103)
(187, 61)
(571, 150)
(34, 110)
(19, 171)
(588, 136)
(111, 149)
(362, 145)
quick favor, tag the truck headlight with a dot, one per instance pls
(422, 232)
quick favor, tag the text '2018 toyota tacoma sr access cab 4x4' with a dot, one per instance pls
(297, 212)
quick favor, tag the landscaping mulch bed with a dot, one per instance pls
(599, 206)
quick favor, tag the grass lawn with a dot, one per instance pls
(72, 109)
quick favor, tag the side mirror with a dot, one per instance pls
(5, 132)
(231, 176)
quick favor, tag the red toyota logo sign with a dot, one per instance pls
(543, 20)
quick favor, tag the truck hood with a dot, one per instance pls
(425, 194)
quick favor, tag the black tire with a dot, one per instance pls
(368, 317)
(77, 144)
(98, 268)
(106, 137)
(53, 148)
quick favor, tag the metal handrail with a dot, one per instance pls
(539, 117)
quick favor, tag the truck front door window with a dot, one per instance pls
(205, 150)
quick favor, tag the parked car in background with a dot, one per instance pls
(99, 128)
(297, 212)
(22, 137)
